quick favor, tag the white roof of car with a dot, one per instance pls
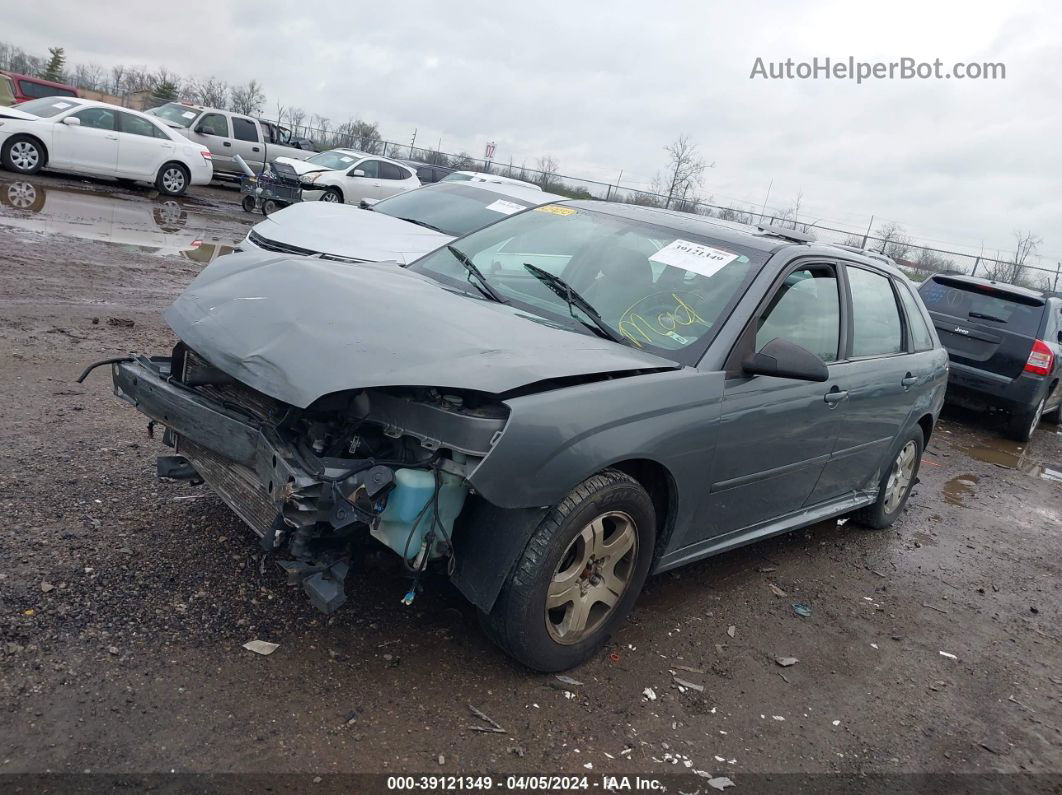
(482, 176)
(515, 189)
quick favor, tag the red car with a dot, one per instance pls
(27, 87)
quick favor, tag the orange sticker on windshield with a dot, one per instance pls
(556, 209)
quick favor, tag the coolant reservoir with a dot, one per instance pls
(414, 489)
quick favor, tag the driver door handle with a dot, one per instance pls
(226, 143)
(835, 396)
(908, 381)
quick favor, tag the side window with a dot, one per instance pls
(875, 316)
(370, 167)
(96, 118)
(805, 310)
(38, 91)
(214, 124)
(244, 129)
(136, 125)
(921, 337)
(391, 171)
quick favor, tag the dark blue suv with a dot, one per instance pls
(1005, 345)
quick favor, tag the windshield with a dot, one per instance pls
(47, 106)
(176, 113)
(451, 209)
(334, 160)
(661, 289)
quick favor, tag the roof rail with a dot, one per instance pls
(786, 234)
(866, 252)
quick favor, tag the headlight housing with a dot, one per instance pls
(311, 178)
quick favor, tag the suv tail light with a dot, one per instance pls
(1040, 359)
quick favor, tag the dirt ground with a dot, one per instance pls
(933, 646)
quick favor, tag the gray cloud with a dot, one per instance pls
(603, 86)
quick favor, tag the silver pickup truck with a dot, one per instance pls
(226, 134)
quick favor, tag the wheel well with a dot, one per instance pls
(35, 140)
(338, 190)
(656, 480)
(926, 422)
(177, 163)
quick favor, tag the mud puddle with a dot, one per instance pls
(958, 489)
(1007, 455)
(161, 226)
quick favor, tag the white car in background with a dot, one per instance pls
(348, 176)
(483, 176)
(402, 228)
(101, 140)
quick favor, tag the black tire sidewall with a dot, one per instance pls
(162, 189)
(334, 192)
(523, 601)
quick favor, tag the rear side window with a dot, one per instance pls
(138, 125)
(921, 338)
(391, 171)
(36, 90)
(875, 317)
(983, 304)
(244, 129)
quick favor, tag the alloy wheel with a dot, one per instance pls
(330, 196)
(24, 156)
(591, 578)
(173, 180)
(900, 477)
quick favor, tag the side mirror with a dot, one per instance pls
(203, 130)
(357, 173)
(784, 359)
(73, 121)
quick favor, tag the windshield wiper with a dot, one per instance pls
(484, 286)
(982, 316)
(567, 293)
(425, 224)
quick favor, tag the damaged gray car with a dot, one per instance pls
(549, 409)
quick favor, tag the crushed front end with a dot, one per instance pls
(317, 483)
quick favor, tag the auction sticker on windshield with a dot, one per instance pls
(61, 105)
(188, 114)
(556, 209)
(695, 257)
(502, 206)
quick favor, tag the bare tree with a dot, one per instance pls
(548, 170)
(88, 76)
(295, 118)
(212, 92)
(686, 167)
(1015, 269)
(247, 99)
(365, 134)
(117, 76)
(894, 240)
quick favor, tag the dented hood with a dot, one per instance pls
(345, 231)
(298, 328)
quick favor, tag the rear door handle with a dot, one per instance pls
(226, 143)
(835, 396)
(908, 381)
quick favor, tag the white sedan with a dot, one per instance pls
(346, 175)
(94, 138)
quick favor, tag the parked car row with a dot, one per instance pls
(98, 139)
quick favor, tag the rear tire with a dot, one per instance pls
(270, 206)
(247, 204)
(579, 575)
(895, 486)
(23, 154)
(1023, 424)
(1053, 417)
(172, 179)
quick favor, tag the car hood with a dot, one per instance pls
(345, 231)
(301, 166)
(299, 328)
(12, 112)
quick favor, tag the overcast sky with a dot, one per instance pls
(604, 86)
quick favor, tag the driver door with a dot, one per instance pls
(90, 147)
(776, 434)
(368, 186)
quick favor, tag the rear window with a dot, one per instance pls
(984, 305)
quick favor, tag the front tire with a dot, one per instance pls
(579, 575)
(23, 154)
(172, 179)
(333, 196)
(897, 482)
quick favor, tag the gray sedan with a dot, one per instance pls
(548, 409)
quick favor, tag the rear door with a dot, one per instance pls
(982, 326)
(247, 141)
(142, 147)
(881, 378)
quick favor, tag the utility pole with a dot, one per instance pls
(608, 193)
(412, 141)
(763, 211)
(1058, 266)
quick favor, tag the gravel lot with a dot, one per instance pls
(933, 646)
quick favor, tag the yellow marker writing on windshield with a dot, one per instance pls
(556, 209)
